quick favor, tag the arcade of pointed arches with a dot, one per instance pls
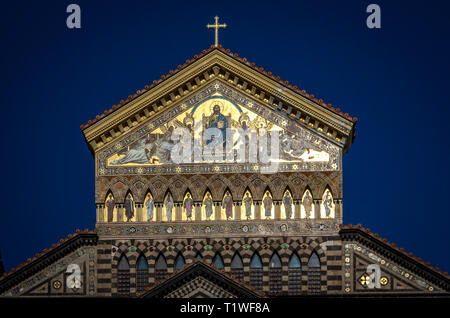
(218, 198)
(160, 272)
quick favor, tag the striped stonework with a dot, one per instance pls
(327, 248)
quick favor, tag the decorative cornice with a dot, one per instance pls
(390, 250)
(218, 62)
(47, 257)
(236, 57)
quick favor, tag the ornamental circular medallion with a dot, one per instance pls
(347, 259)
(207, 229)
(321, 227)
(283, 227)
(384, 281)
(347, 290)
(132, 229)
(169, 230)
(430, 288)
(57, 284)
(245, 228)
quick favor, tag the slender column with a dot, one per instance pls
(338, 209)
(97, 211)
(158, 207)
(198, 211)
(217, 205)
(119, 213)
(317, 204)
(101, 212)
(277, 209)
(257, 210)
(141, 211)
(237, 210)
(178, 211)
(297, 208)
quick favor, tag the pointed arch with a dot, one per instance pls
(110, 211)
(294, 275)
(287, 209)
(188, 209)
(149, 207)
(179, 261)
(123, 276)
(208, 206)
(160, 267)
(275, 268)
(227, 205)
(327, 207)
(218, 261)
(307, 206)
(168, 210)
(256, 272)
(314, 274)
(267, 204)
(142, 276)
(237, 267)
(199, 256)
(247, 203)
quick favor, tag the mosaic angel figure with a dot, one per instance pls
(129, 208)
(228, 206)
(287, 201)
(168, 202)
(328, 203)
(149, 204)
(248, 206)
(307, 204)
(110, 206)
(188, 204)
(268, 206)
(208, 206)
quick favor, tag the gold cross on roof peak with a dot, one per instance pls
(216, 26)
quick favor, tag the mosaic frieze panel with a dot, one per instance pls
(53, 279)
(147, 150)
(392, 277)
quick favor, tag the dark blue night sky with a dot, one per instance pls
(395, 80)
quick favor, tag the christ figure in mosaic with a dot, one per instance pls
(149, 205)
(188, 203)
(248, 206)
(307, 204)
(110, 205)
(217, 120)
(168, 202)
(228, 206)
(268, 206)
(129, 208)
(287, 201)
(208, 206)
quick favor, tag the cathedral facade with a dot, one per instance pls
(221, 180)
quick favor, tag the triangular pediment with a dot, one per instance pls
(199, 280)
(234, 75)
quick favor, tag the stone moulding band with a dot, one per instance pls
(226, 228)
